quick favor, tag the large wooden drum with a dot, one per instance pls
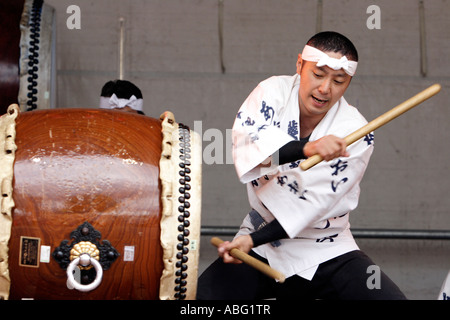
(99, 204)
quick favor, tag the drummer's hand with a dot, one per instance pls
(328, 147)
(243, 243)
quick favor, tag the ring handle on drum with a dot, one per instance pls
(84, 260)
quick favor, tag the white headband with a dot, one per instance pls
(113, 102)
(313, 54)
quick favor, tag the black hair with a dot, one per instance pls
(335, 42)
(122, 88)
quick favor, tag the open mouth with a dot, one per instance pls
(319, 101)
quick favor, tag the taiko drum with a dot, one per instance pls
(115, 187)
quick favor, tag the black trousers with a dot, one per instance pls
(351, 276)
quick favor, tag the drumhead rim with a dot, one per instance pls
(180, 175)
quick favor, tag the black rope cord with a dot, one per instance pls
(35, 29)
(183, 218)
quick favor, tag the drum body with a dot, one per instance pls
(94, 176)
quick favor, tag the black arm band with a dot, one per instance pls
(270, 232)
(292, 151)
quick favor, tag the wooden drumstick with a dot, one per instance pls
(251, 261)
(380, 121)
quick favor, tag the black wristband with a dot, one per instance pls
(269, 233)
(292, 151)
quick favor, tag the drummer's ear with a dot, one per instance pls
(299, 63)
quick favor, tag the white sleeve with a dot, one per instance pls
(256, 136)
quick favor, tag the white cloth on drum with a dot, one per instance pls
(312, 206)
(114, 102)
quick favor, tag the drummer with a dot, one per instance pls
(299, 220)
(122, 95)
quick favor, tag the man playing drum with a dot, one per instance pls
(299, 222)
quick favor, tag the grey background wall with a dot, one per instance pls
(173, 53)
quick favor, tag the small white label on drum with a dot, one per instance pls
(128, 253)
(194, 245)
(45, 254)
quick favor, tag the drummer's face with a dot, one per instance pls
(320, 87)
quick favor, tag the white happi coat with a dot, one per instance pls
(312, 206)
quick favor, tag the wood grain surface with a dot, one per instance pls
(99, 166)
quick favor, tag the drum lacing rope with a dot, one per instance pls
(184, 205)
(35, 29)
